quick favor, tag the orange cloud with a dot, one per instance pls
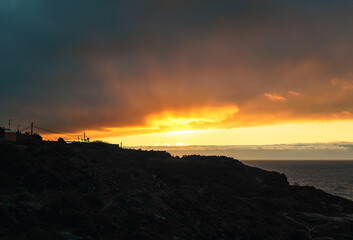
(345, 85)
(293, 93)
(275, 97)
(198, 118)
(343, 115)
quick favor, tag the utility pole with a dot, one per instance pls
(31, 132)
(84, 136)
(10, 123)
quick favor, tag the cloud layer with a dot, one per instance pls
(72, 66)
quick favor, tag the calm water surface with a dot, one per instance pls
(335, 177)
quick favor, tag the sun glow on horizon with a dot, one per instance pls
(185, 132)
(217, 126)
(285, 133)
(174, 122)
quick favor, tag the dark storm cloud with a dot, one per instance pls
(71, 65)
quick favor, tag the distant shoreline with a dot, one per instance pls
(278, 152)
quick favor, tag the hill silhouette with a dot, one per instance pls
(100, 191)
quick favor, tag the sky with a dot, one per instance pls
(175, 72)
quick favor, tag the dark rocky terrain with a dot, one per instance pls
(99, 191)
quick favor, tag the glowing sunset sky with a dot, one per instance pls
(178, 72)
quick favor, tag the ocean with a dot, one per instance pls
(332, 176)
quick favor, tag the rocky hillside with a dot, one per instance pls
(99, 191)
